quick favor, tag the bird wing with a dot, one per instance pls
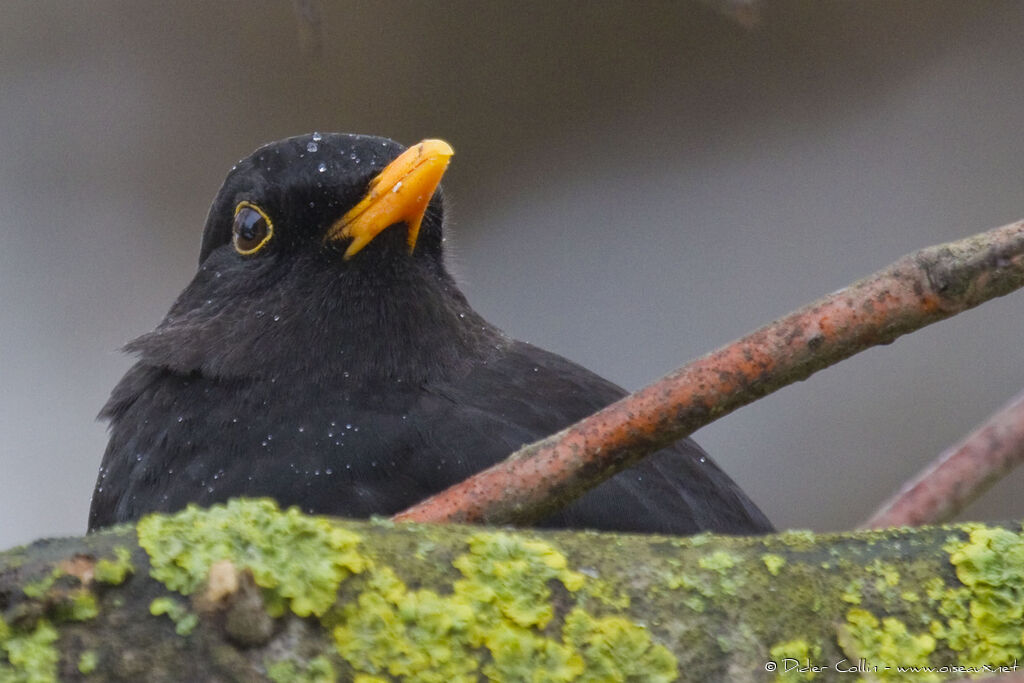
(526, 393)
(176, 439)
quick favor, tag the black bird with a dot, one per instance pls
(324, 356)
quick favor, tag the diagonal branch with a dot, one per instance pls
(918, 289)
(960, 474)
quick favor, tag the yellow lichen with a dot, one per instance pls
(37, 589)
(184, 620)
(87, 662)
(80, 605)
(418, 635)
(501, 606)
(885, 646)
(852, 592)
(773, 562)
(300, 561)
(30, 654)
(616, 649)
(512, 574)
(523, 655)
(989, 624)
(718, 560)
(714, 577)
(316, 670)
(115, 571)
(888, 578)
(795, 660)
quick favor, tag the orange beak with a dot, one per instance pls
(400, 194)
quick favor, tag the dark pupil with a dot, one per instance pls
(250, 228)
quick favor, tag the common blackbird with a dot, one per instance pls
(324, 356)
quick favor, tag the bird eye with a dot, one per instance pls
(252, 228)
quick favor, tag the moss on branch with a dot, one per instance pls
(249, 592)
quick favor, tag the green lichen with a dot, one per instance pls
(37, 589)
(934, 590)
(955, 604)
(797, 651)
(81, 606)
(885, 646)
(955, 632)
(695, 590)
(503, 606)
(888, 578)
(74, 605)
(415, 634)
(30, 654)
(693, 541)
(853, 592)
(87, 662)
(184, 620)
(299, 561)
(988, 625)
(798, 539)
(317, 670)
(511, 574)
(719, 561)
(773, 562)
(498, 621)
(114, 572)
(526, 656)
(693, 602)
(715, 575)
(616, 649)
(952, 603)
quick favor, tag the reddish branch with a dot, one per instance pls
(917, 290)
(960, 474)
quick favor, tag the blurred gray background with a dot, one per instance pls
(635, 184)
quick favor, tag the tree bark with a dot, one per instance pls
(248, 592)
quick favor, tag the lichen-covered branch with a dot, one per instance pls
(917, 290)
(960, 474)
(248, 592)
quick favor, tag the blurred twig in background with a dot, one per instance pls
(961, 474)
(310, 26)
(746, 13)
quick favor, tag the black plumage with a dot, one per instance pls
(355, 386)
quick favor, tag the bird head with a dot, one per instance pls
(322, 254)
(331, 191)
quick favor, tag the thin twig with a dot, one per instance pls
(961, 474)
(746, 13)
(309, 15)
(917, 290)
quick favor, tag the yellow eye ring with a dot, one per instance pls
(252, 228)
